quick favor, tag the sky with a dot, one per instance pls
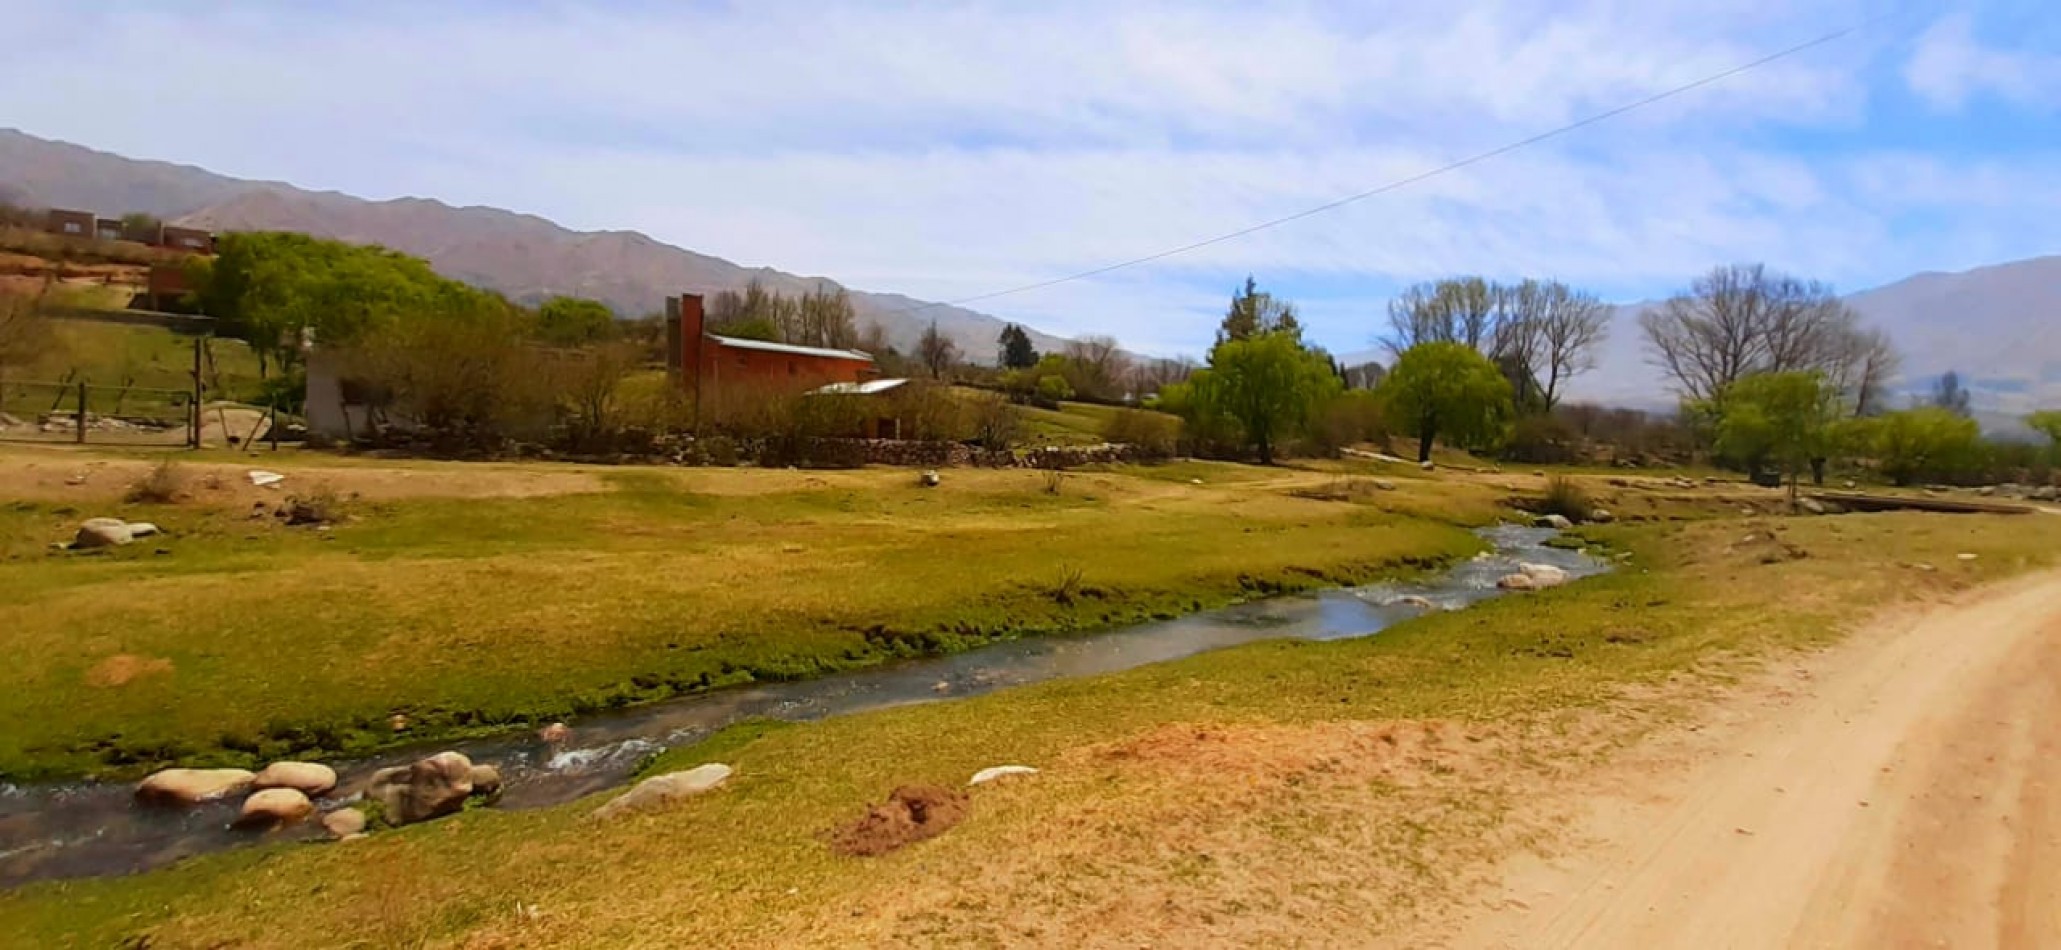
(948, 150)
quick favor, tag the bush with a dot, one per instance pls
(162, 485)
(1155, 434)
(1542, 440)
(1052, 390)
(996, 425)
(1566, 499)
(1352, 418)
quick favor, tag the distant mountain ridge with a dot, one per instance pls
(523, 256)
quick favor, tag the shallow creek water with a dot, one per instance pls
(86, 829)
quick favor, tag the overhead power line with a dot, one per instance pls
(1445, 169)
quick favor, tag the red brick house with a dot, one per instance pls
(707, 364)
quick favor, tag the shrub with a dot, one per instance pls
(1155, 434)
(1351, 418)
(1541, 440)
(996, 425)
(162, 485)
(1052, 390)
(1566, 499)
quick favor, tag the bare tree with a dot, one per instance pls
(25, 334)
(1741, 319)
(1454, 310)
(1864, 372)
(1098, 364)
(936, 351)
(1571, 326)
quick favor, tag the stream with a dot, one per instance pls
(85, 829)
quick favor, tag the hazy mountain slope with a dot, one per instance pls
(523, 256)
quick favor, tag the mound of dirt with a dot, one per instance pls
(911, 813)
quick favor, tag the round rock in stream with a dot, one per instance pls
(273, 808)
(344, 822)
(308, 778)
(192, 786)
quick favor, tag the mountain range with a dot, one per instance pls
(2000, 326)
(523, 256)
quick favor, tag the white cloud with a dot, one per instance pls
(947, 150)
(1951, 65)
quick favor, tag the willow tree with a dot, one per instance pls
(1447, 390)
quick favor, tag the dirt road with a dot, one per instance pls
(1907, 793)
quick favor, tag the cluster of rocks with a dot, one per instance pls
(59, 422)
(1533, 577)
(282, 794)
(1563, 523)
(2023, 492)
(285, 793)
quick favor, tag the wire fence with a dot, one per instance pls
(82, 412)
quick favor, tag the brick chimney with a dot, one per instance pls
(692, 339)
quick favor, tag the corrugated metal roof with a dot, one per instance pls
(867, 388)
(790, 348)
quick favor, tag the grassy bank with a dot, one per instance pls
(1248, 794)
(236, 639)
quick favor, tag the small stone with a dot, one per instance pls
(930, 478)
(1964, 556)
(1382, 484)
(941, 687)
(343, 823)
(992, 773)
(141, 529)
(1517, 582)
(663, 791)
(486, 781)
(398, 722)
(1601, 516)
(557, 733)
(1556, 522)
(1543, 575)
(1426, 465)
(309, 778)
(274, 807)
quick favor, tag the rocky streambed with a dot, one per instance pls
(71, 830)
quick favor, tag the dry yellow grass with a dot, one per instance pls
(1275, 793)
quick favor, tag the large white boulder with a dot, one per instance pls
(274, 807)
(664, 791)
(308, 778)
(192, 786)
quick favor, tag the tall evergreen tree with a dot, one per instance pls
(1016, 349)
(1254, 312)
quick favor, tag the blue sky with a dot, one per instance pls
(947, 150)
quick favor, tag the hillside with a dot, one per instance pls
(523, 256)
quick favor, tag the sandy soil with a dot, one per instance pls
(59, 475)
(1903, 790)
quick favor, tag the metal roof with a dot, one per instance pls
(790, 348)
(867, 388)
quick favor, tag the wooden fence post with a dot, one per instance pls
(80, 434)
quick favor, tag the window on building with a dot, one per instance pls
(72, 227)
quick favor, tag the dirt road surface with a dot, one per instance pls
(1906, 794)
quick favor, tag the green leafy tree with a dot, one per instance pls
(575, 321)
(1784, 419)
(1447, 390)
(2047, 422)
(1016, 349)
(1269, 385)
(1254, 312)
(273, 288)
(141, 228)
(1950, 394)
(1924, 443)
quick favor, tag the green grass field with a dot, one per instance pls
(467, 613)
(1243, 785)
